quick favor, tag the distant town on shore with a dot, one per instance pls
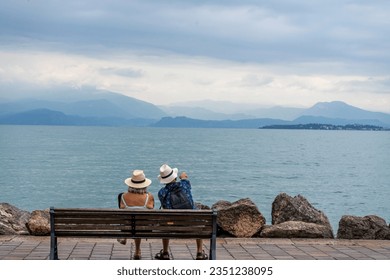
(318, 126)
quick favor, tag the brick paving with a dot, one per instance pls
(37, 248)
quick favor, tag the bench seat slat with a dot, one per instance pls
(85, 227)
(101, 219)
(135, 223)
(81, 211)
(129, 216)
(140, 235)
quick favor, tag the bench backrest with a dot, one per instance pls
(114, 223)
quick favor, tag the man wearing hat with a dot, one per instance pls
(136, 197)
(168, 177)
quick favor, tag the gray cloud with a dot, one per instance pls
(125, 72)
(252, 80)
(235, 30)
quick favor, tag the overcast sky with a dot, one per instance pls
(279, 52)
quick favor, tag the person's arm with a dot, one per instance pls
(186, 184)
(151, 201)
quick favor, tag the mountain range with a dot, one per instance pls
(86, 106)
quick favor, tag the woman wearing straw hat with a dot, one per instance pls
(168, 177)
(136, 197)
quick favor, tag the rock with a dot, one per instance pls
(240, 219)
(367, 227)
(39, 222)
(13, 220)
(201, 206)
(296, 229)
(221, 204)
(286, 208)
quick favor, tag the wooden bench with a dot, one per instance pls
(127, 223)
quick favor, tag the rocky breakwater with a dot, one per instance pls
(14, 221)
(292, 217)
(240, 219)
(295, 217)
(39, 222)
(367, 227)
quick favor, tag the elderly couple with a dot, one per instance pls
(137, 196)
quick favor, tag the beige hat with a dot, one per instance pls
(138, 180)
(167, 174)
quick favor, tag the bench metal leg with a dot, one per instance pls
(53, 237)
(213, 240)
(213, 248)
(53, 248)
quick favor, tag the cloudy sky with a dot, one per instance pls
(280, 52)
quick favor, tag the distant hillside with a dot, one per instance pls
(202, 113)
(89, 106)
(50, 117)
(335, 112)
(223, 110)
(43, 117)
(188, 122)
(87, 103)
(277, 112)
(341, 110)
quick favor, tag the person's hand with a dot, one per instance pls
(183, 175)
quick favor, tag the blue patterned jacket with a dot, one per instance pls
(164, 193)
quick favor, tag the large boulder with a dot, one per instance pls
(367, 227)
(39, 222)
(13, 220)
(240, 219)
(298, 208)
(286, 208)
(295, 229)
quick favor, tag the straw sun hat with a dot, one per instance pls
(167, 174)
(138, 180)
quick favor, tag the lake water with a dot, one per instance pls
(339, 172)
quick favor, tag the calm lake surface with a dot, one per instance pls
(339, 172)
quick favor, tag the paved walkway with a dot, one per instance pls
(37, 248)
